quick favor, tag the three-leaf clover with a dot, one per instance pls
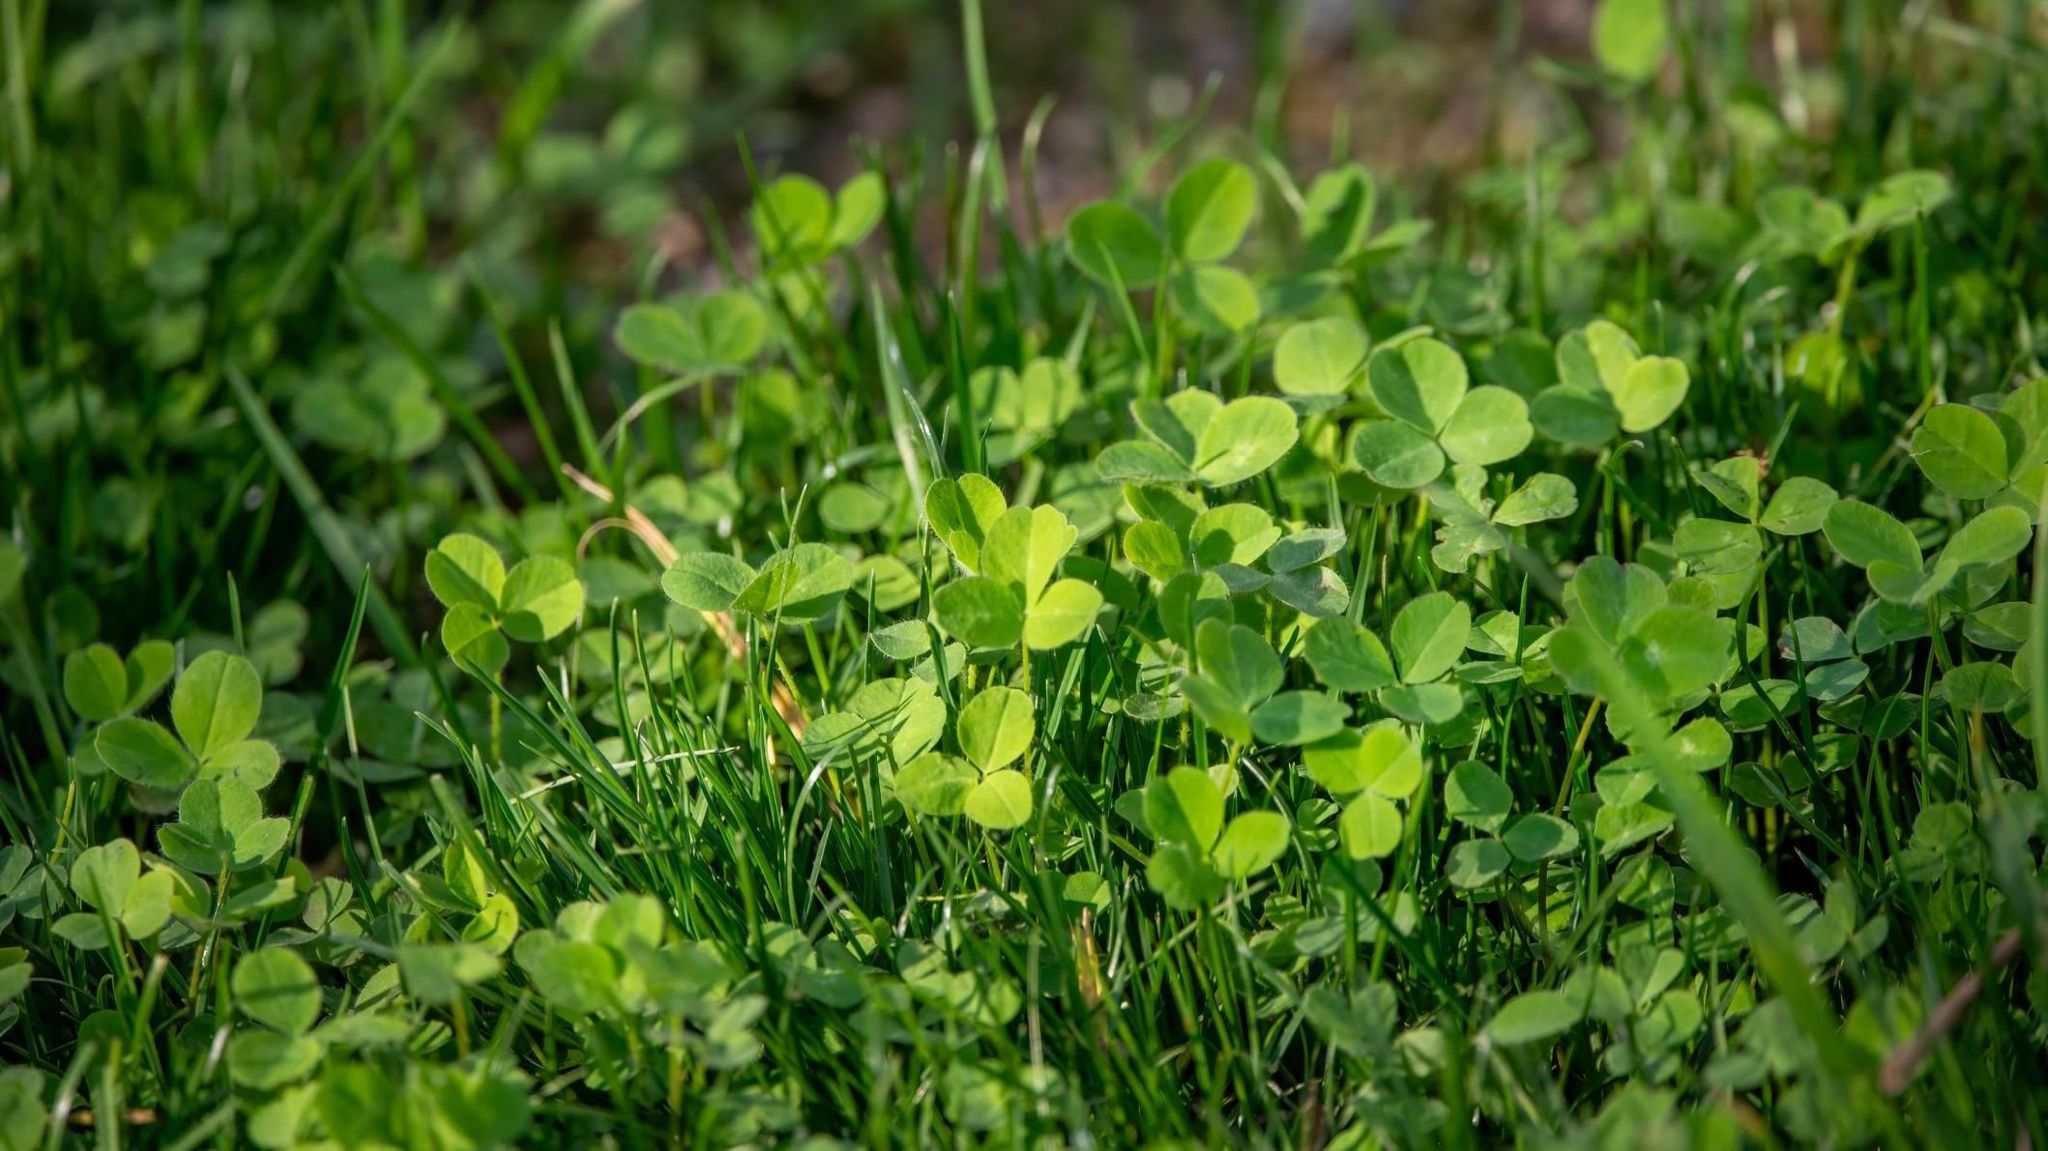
(109, 879)
(800, 583)
(1434, 413)
(1872, 539)
(1014, 598)
(221, 828)
(1606, 384)
(1196, 852)
(1194, 437)
(214, 708)
(539, 599)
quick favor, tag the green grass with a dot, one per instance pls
(1542, 656)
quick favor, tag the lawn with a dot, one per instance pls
(898, 573)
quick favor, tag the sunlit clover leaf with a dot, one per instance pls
(1001, 801)
(936, 784)
(1346, 656)
(541, 599)
(995, 727)
(707, 581)
(1381, 759)
(1428, 636)
(720, 332)
(465, 569)
(961, 512)
(1395, 454)
(1251, 843)
(1319, 357)
(1184, 806)
(1115, 246)
(799, 583)
(1246, 437)
(1652, 390)
(109, 878)
(1216, 298)
(1336, 215)
(1023, 550)
(1961, 451)
(221, 828)
(1208, 209)
(856, 209)
(1370, 827)
(1630, 38)
(1490, 426)
(792, 220)
(1419, 382)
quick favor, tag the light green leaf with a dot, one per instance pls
(217, 702)
(980, 612)
(1630, 37)
(1184, 806)
(1395, 454)
(1216, 298)
(961, 513)
(104, 875)
(1490, 426)
(1066, 611)
(1208, 209)
(1991, 537)
(1961, 451)
(1653, 389)
(996, 727)
(1024, 548)
(1253, 842)
(465, 569)
(1420, 382)
(96, 682)
(1002, 800)
(706, 581)
(1115, 246)
(935, 784)
(1370, 827)
(1319, 357)
(1534, 1016)
(1248, 436)
(542, 599)
(1429, 635)
(142, 752)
